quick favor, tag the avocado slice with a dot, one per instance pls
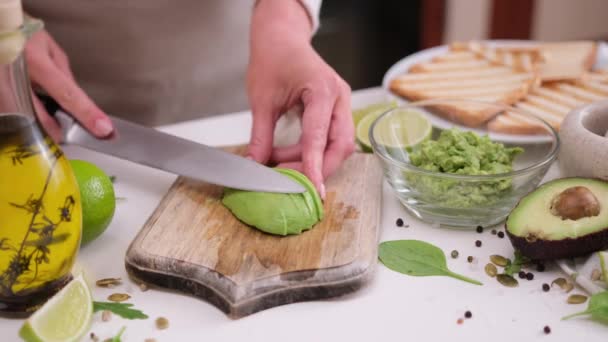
(563, 218)
(277, 213)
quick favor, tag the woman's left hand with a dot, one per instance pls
(285, 71)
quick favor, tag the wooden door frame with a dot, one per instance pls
(511, 19)
(432, 23)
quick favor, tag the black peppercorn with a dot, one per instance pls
(522, 275)
(501, 235)
(399, 222)
(480, 229)
(470, 259)
(454, 254)
(547, 330)
(529, 276)
(540, 267)
(478, 243)
(493, 231)
(468, 314)
(546, 287)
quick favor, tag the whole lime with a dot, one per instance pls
(97, 198)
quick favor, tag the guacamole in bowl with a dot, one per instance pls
(460, 177)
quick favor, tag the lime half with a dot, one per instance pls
(65, 317)
(373, 109)
(402, 128)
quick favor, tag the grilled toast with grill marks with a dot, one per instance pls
(551, 102)
(462, 74)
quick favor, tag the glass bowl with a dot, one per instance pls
(431, 190)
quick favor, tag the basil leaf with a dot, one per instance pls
(597, 308)
(417, 258)
(123, 310)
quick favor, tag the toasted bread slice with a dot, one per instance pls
(525, 58)
(564, 61)
(567, 60)
(461, 74)
(551, 102)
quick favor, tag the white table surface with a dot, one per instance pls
(392, 307)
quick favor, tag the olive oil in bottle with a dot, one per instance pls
(40, 215)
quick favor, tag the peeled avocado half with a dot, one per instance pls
(563, 218)
(275, 213)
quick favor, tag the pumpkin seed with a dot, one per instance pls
(106, 315)
(162, 323)
(596, 275)
(108, 282)
(576, 299)
(118, 297)
(507, 280)
(499, 260)
(491, 270)
(563, 284)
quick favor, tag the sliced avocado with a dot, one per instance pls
(310, 189)
(563, 218)
(276, 213)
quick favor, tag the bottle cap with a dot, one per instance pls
(11, 15)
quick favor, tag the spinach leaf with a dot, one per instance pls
(598, 308)
(417, 258)
(123, 310)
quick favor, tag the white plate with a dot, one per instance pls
(403, 66)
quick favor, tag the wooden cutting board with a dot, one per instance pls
(193, 244)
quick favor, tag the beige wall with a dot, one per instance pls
(553, 19)
(466, 19)
(570, 19)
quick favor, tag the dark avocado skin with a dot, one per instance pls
(559, 249)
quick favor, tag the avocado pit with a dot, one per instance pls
(575, 203)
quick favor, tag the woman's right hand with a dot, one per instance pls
(49, 69)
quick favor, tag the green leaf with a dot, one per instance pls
(515, 265)
(123, 310)
(117, 338)
(417, 258)
(597, 308)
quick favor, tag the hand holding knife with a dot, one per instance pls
(148, 146)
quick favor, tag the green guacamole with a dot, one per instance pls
(462, 153)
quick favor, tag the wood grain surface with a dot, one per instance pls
(193, 244)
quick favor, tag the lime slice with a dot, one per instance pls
(65, 317)
(376, 108)
(404, 129)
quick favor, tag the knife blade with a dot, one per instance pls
(150, 147)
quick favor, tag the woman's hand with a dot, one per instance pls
(49, 69)
(285, 71)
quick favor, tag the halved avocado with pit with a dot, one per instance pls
(563, 218)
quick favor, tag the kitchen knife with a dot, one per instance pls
(166, 152)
